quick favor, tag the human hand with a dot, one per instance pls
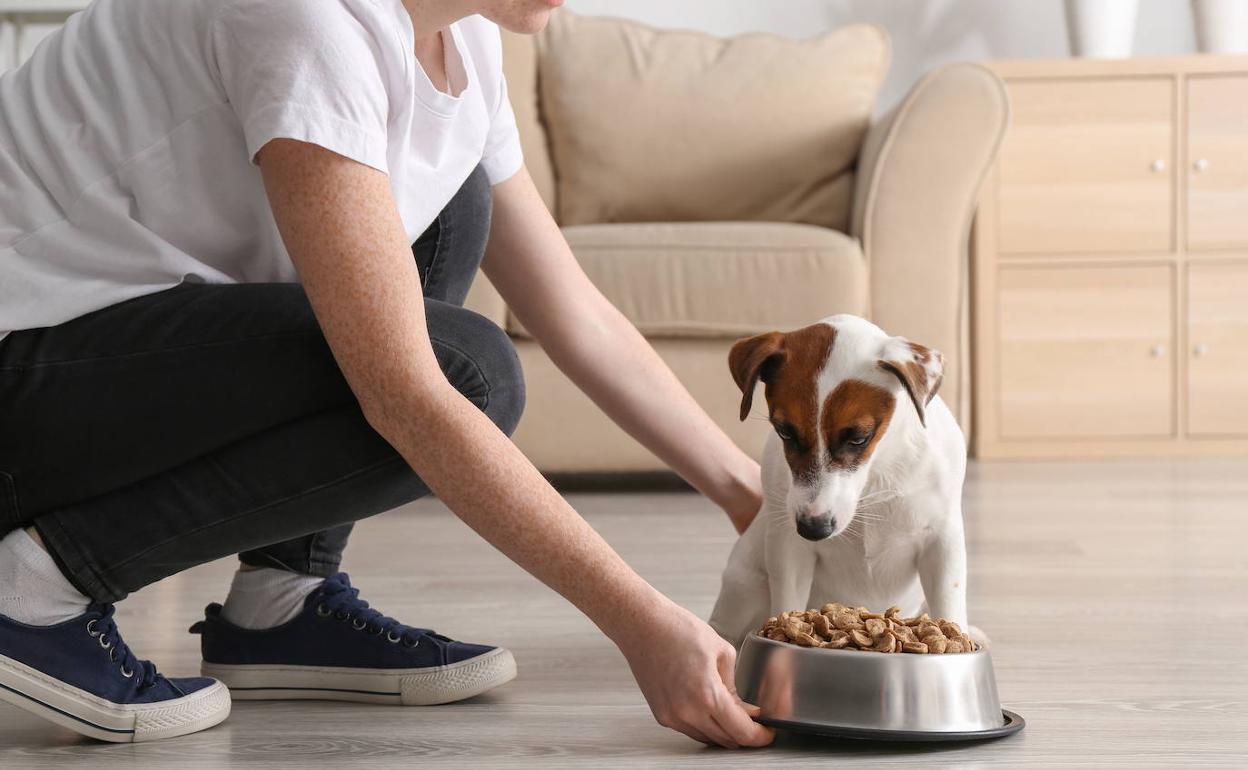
(685, 672)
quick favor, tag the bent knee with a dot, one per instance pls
(506, 396)
(479, 359)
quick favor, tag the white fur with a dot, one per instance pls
(898, 538)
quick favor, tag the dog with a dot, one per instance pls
(862, 480)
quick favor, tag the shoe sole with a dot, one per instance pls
(405, 686)
(32, 690)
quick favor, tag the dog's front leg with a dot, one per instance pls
(942, 571)
(790, 568)
(743, 597)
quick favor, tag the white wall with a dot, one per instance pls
(16, 48)
(924, 33)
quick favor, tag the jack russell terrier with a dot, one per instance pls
(862, 480)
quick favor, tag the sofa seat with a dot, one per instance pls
(720, 280)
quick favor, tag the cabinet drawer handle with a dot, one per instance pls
(1157, 351)
(1158, 166)
(1199, 165)
(1199, 349)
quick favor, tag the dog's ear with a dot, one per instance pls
(752, 359)
(919, 368)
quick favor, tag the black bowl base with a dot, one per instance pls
(1013, 723)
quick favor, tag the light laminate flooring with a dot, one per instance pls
(1115, 593)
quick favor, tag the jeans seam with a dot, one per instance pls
(317, 551)
(9, 484)
(325, 563)
(288, 498)
(58, 538)
(140, 353)
(434, 270)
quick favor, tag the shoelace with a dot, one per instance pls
(342, 601)
(104, 630)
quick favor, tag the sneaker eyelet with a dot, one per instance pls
(411, 643)
(322, 611)
(104, 643)
(127, 673)
(112, 655)
(342, 615)
(91, 626)
(359, 625)
(393, 638)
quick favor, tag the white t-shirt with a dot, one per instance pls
(127, 141)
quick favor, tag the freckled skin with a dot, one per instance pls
(342, 229)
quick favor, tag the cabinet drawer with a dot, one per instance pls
(1217, 183)
(1085, 352)
(1217, 333)
(1088, 166)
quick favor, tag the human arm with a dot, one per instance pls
(340, 226)
(529, 262)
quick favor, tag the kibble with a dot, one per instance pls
(837, 626)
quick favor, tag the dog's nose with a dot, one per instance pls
(817, 528)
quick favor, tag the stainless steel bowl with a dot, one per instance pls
(894, 696)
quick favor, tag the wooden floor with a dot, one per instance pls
(1116, 595)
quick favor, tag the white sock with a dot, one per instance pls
(266, 597)
(32, 588)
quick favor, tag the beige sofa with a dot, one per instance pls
(694, 287)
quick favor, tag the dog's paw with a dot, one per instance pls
(979, 637)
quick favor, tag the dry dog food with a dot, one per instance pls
(837, 626)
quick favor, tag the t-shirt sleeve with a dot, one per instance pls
(310, 71)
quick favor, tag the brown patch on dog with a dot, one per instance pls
(915, 375)
(855, 410)
(789, 366)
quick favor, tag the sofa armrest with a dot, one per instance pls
(919, 175)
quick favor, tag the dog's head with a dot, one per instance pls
(833, 390)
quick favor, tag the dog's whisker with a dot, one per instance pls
(879, 492)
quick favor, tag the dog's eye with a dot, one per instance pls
(785, 433)
(856, 437)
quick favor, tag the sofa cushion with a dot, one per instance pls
(649, 125)
(720, 279)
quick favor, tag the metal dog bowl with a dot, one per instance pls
(872, 695)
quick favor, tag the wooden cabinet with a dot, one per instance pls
(1069, 350)
(1217, 328)
(1110, 262)
(1217, 168)
(1088, 166)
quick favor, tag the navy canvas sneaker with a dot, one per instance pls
(81, 675)
(339, 648)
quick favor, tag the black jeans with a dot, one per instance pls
(206, 420)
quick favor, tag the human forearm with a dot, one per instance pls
(506, 501)
(344, 235)
(604, 354)
(617, 367)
